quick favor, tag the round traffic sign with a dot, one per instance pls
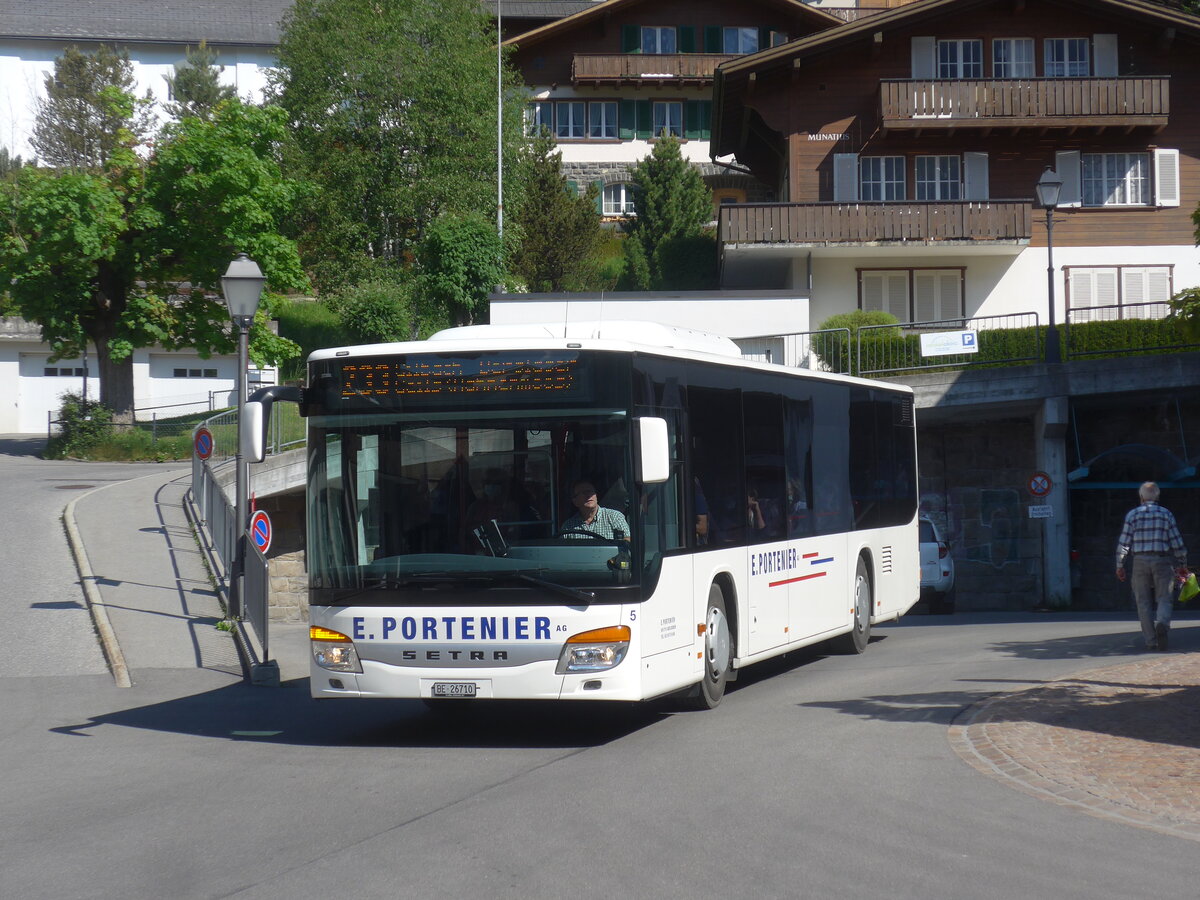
(1040, 484)
(260, 531)
(203, 442)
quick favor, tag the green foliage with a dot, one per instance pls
(392, 119)
(376, 312)
(858, 318)
(1185, 309)
(81, 428)
(196, 85)
(460, 261)
(9, 165)
(88, 110)
(838, 354)
(674, 207)
(1123, 336)
(560, 231)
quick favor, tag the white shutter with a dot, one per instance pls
(975, 184)
(924, 50)
(1104, 55)
(886, 291)
(950, 295)
(1133, 287)
(1069, 169)
(845, 177)
(1166, 177)
(925, 297)
(1158, 284)
(897, 295)
(872, 291)
(1091, 288)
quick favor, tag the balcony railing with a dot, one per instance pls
(1025, 102)
(608, 68)
(833, 223)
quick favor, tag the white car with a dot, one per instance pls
(937, 569)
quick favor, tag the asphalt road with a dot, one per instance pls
(818, 776)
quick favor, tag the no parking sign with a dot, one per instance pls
(260, 531)
(203, 443)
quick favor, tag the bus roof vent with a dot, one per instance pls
(651, 334)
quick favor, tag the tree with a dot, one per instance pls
(89, 110)
(461, 264)
(392, 111)
(9, 164)
(560, 231)
(196, 86)
(668, 246)
(104, 253)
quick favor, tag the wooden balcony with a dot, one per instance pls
(646, 68)
(1025, 103)
(818, 224)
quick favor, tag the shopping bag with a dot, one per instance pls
(1189, 588)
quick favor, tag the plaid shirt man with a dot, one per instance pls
(1150, 529)
(604, 524)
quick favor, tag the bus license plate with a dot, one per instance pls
(453, 689)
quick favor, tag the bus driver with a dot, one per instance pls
(593, 517)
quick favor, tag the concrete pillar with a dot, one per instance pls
(1050, 434)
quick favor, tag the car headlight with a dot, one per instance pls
(594, 651)
(333, 650)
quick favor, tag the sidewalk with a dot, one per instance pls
(1122, 742)
(153, 600)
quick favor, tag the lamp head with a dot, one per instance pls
(242, 285)
(1049, 187)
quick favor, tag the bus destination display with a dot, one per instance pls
(439, 375)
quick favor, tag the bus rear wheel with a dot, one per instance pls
(860, 634)
(718, 653)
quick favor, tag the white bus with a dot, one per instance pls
(745, 510)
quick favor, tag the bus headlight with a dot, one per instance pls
(333, 650)
(594, 651)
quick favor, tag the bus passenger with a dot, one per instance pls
(593, 517)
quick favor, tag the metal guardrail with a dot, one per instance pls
(1143, 328)
(827, 350)
(1002, 340)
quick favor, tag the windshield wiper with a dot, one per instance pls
(555, 587)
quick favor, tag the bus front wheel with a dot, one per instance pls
(718, 653)
(860, 633)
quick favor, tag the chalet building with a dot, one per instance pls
(906, 146)
(608, 79)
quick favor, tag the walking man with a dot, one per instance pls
(1152, 538)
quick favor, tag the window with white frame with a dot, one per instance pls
(1067, 58)
(881, 178)
(960, 59)
(667, 115)
(602, 119)
(658, 39)
(618, 200)
(739, 40)
(939, 177)
(569, 118)
(538, 115)
(1012, 58)
(913, 295)
(1118, 292)
(1115, 179)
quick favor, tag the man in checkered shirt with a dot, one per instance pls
(1152, 538)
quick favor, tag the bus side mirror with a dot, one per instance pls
(252, 430)
(655, 450)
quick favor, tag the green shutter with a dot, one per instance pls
(573, 188)
(645, 121)
(698, 120)
(631, 39)
(685, 38)
(712, 39)
(599, 183)
(628, 125)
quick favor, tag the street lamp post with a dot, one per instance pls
(1048, 188)
(242, 285)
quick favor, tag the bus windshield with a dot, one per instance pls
(475, 499)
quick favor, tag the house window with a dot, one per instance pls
(569, 116)
(1067, 58)
(739, 40)
(602, 119)
(618, 200)
(658, 39)
(1118, 292)
(913, 295)
(960, 59)
(1116, 179)
(778, 38)
(939, 178)
(1012, 58)
(668, 117)
(881, 178)
(539, 115)
(193, 373)
(63, 371)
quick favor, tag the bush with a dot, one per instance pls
(82, 428)
(832, 348)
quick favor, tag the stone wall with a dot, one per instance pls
(288, 600)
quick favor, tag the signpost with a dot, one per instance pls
(203, 443)
(949, 343)
(260, 531)
(1039, 484)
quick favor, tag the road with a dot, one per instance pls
(818, 776)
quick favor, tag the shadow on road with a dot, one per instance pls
(21, 445)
